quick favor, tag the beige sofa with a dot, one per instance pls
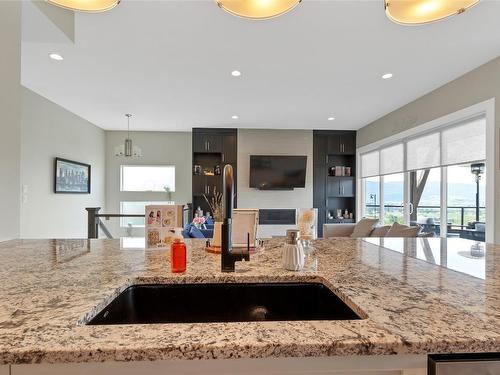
(338, 230)
(345, 230)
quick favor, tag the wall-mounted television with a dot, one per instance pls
(277, 172)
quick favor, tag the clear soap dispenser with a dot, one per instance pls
(293, 254)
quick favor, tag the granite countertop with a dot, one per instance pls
(50, 288)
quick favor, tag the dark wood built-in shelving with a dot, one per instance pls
(212, 147)
(333, 148)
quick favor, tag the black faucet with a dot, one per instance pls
(228, 255)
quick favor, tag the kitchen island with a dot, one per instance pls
(415, 297)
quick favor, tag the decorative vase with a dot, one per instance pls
(217, 238)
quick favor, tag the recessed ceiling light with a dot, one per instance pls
(387, 76)
(236, 73)
(235, 117)
(331, 118)
(56, 56)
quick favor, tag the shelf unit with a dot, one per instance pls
(211, 148)
(333, 148)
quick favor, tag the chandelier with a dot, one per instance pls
(127, 149)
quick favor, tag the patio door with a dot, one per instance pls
(436, 180)
(393, 198)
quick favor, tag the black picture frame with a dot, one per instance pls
(77, 187)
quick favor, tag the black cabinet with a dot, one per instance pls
(209, 143)
(319, 185)
(332, 148)
(199, 184)
(206, 185)
(212, 150)
(229, 147)
(320, 154)
(340, 186)
(348, 144)
(341, 144)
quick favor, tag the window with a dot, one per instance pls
(147, 178)
(135, 208)
(425, 199)
(463, 191)
(393, 188)
(435, 179)
(371, 197)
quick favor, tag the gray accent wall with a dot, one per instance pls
(10, 118)
(273, 142)
(474, 87)
(50, 131)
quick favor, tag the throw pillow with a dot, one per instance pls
(195, 233)
(380, 231)
(400, 230)
(363, 228)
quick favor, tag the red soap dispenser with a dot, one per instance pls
(178, 256)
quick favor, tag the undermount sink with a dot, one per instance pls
(224, 302)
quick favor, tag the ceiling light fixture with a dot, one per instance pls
(236, 73)
(331, 118)
(417, 12)
(86, 5)
(387, 76)
(235, 117)
(257, 9)
(127, 149)
(56, 56)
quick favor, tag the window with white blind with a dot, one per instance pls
(464, 143)
(456, 144)
(392, 159)
(404, 181)
(423, 152)
(370, 164)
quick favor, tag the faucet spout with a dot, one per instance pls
(228, 192)
(228, 256)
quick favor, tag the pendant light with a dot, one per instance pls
(86, 5)
(416, 12)
(127, 149)
(257, 9)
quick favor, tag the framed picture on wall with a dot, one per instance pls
(71, 177)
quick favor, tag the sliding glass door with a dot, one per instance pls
(425, 199)
(393, 187)
(371, 191)
(435, 180)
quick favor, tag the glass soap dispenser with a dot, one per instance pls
(293, 254)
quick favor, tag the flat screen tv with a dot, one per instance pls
(276, 172)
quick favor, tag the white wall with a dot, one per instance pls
(273, 142)
(50, 131)
(478, 85)
(10, 119)
(158, 148)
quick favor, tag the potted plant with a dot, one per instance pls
(215, 204)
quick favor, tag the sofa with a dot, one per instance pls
(346, 230)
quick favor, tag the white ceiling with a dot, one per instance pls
(169, 63)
